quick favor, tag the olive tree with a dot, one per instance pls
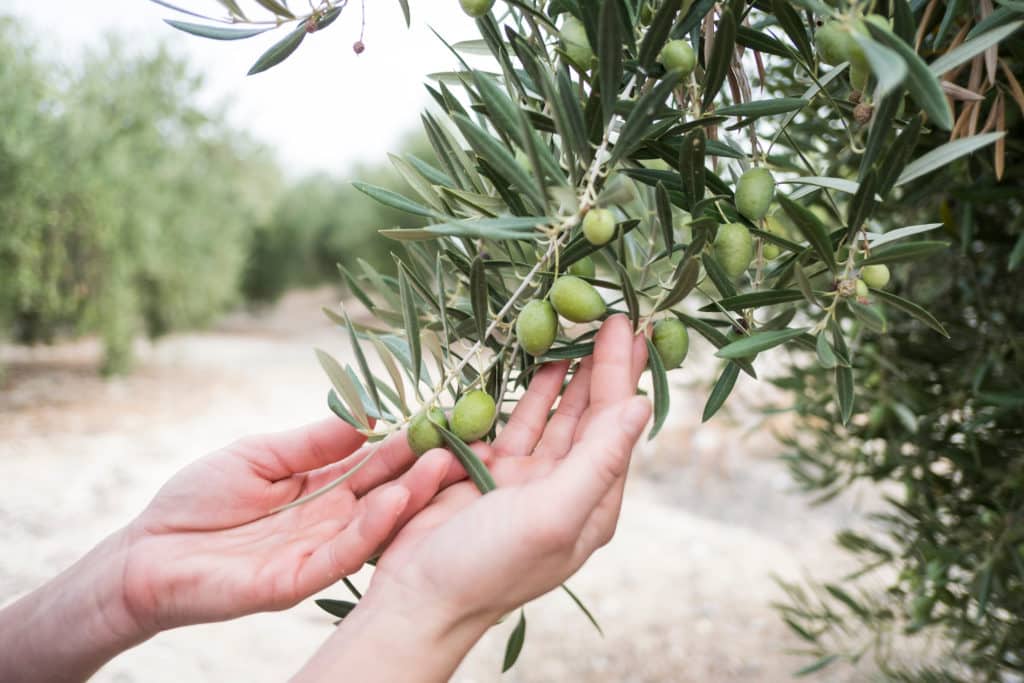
(640, 157)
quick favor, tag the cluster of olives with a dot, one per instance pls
(472, 417)
(734, 245)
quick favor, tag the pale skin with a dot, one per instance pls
(453, 561)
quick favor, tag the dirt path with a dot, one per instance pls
(683, 591)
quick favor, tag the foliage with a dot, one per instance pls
(944, 419)
(575, 113)
(124, 207)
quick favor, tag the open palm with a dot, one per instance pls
(207, 550)
(559, 492)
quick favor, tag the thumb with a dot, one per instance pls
(599, 459)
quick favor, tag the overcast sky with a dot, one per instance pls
(320, 110)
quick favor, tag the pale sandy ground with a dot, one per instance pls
(683, 591)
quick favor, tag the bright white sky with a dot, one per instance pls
(323, 108)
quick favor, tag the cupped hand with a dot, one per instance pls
(206, 549)
(560, 484)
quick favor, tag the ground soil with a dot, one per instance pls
(683, 592)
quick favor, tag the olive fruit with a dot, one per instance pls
(733, 248)
(677, 55)
(672, 341)
(423, 433)
(583, 268)
(536, 327)
(575, 42)
(473, 415)
(833, 42)
(476, 8)
(599, 226)
(754, 192)
(770, 251)
(875, 276)
(576, 299)
(861, 290)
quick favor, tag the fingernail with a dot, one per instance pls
(634, 417)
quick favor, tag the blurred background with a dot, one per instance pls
(170, 229)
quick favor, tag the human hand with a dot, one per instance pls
(466, 559)
(560, 484)
(205, 549)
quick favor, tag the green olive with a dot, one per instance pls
(771, 251)
(473, 415)
(583, 268)
(536, 327)
(861, 289)
(832, 41)
(599, 226)
(677, 55)
(476, 8)
(575, 42)
(754, 192)
(734, 248)
(576, 299)
(876, 276)
(672, 341)
(423, 434)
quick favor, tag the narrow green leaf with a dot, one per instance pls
(881, 126)
(478, 296)
(945, 154)
(761, 41)
(759, 108)
(718, 339)
(912, 309)
(794, 27)
(899, 153)
(659, 379)
(721, 57)
(388, 359)
(692, 170)
(394, 200)
(498, 156)
(337, 608)
(768, 297)
(826, 356)
(887, 65)
(279, 51)
(664, 212)
(816, 665)
(863, 204)
(344, 386)
(404, 4)
(723, 283)
(515, 643)
(757, 342)
(907, 251)
(364, 367)
(276, 8)
(628, 294)
(583, 608)
(609, 57)
(685, 280)
(723, 387)
(411, 323)
(975, 46)
(804, 283)
(923, 84)
(216, 32)
(869, 315)
(844, 392)
(470, 461)
(811, 229)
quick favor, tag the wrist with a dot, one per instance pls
(71, 626)
(394, 635)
